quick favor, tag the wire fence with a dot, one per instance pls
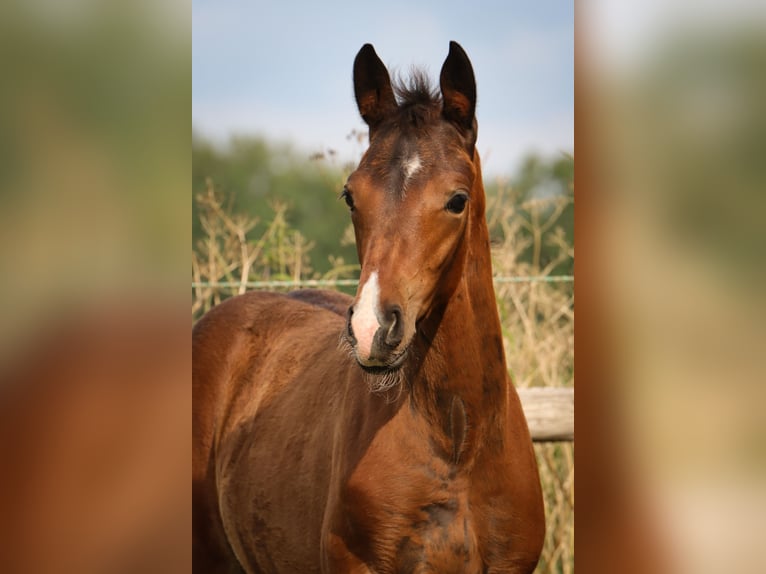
(353, 282)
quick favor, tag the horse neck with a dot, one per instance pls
(462, 347)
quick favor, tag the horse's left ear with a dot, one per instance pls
(458, 87)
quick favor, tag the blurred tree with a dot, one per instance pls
(254, 173)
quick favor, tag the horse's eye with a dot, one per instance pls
(456, 203)
(347, 198)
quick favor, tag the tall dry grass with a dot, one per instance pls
(537, 317)
(237, 249)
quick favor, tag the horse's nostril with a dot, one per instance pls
(349, 328)
(395, 326)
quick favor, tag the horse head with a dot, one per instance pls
(412, 200)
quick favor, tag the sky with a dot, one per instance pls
(284, 69)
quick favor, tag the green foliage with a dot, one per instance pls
(255, 174)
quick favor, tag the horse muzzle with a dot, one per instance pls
(376, 338)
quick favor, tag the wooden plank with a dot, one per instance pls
(549, 412)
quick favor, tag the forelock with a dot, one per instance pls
(418, 100)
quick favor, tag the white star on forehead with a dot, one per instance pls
(410, 167)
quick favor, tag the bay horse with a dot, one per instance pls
(382, 433)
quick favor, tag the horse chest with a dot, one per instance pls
(403, 509)
(435, 536)
(443, 542)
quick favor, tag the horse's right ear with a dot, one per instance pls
(372, 88)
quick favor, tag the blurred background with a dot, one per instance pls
(94, 239)
(671, 228)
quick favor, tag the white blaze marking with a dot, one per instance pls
(364, 321)
(411, 166)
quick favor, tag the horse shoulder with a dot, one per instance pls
(256, 359)
(280, 380)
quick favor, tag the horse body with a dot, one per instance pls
(390, 439)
